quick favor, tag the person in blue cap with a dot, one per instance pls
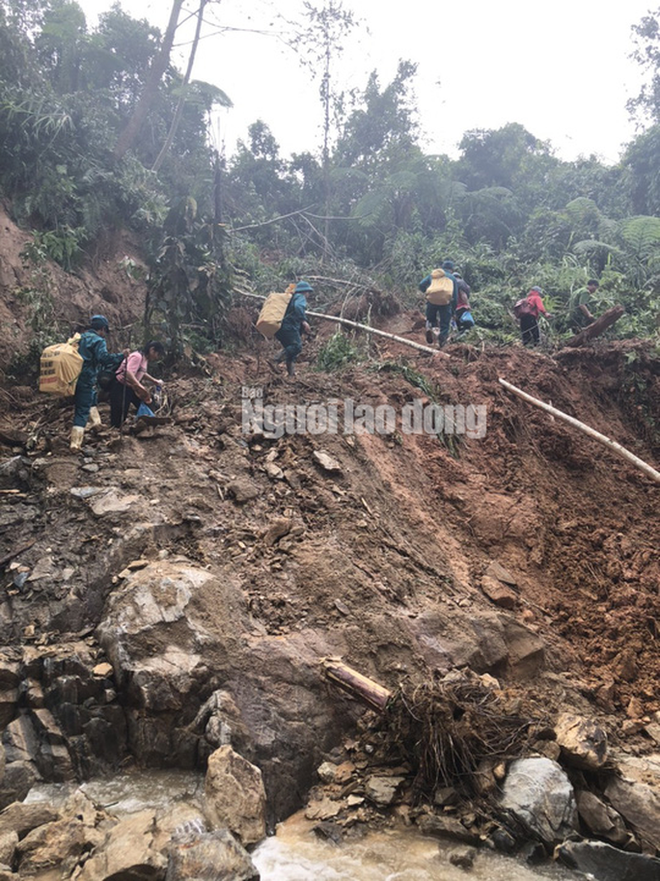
(93, 350)
(293, 323)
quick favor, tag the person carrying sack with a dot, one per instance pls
(293, 323)
(93, 349)
(440, 288)
(128, 388)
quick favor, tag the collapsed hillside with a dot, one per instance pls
(214, 568)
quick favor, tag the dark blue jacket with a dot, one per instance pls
(295, 313)
(93, 350)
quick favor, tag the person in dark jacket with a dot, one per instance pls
(293, 324)
(93, 350)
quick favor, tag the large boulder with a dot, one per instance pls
(636, 796)
(23, 818)
(128, 852)
(234, 796)
(602, 862)
(208, 856)
(59, 844)
(538, 792)
(601, 819)
(155, 642)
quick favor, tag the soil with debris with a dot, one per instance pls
(530, 555)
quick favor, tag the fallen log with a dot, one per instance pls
(600, 325)
(586, 429)
(361, 687)
(365, 327)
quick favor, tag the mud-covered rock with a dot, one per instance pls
(583, 741)
(59, 844)
(8, 845)
(23, 818)
(127, 851)
(234, 796)
(382, 790)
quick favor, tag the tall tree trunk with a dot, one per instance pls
(217, 190)
(182, 97)
(158, 67)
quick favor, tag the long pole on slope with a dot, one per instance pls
(365, 327)
(586, 429)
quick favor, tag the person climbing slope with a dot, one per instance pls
(527, 311)
(93, 349)
(129, 387)
(293, 323)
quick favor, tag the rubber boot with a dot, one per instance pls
(290, 368)
(94, 421)
(429, 333)
(77, 434)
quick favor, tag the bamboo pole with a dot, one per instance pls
(586, 429)
(365, 327)
(361, 687)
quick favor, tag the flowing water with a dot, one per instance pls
(295, 853)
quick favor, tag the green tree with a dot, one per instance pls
(646, 105)
(382, 128)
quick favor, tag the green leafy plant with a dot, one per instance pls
(337, 353)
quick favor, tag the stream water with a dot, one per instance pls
(295, 853)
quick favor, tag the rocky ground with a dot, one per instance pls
(167, 596)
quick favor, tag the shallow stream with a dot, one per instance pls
(295, 853)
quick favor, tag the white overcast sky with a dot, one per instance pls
(561, 68)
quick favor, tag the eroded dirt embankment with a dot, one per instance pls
(384, 557)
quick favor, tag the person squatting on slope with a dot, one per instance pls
(527, 311)
(128, 387)
(93, 350)
(293, 323)
(441, 289)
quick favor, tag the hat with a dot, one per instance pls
(537, 289)
(99, 322)
(303, 287)
(448, 264)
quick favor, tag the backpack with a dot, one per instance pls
(60, 367)
(273, 312)
(441, 290)
(523, 307)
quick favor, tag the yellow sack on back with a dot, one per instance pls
(273, 312)
(441, 289)
(60, 367)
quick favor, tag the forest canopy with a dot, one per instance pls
(100, 130)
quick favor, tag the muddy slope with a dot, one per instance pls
(253, 558)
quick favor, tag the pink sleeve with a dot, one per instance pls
(134, 363)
